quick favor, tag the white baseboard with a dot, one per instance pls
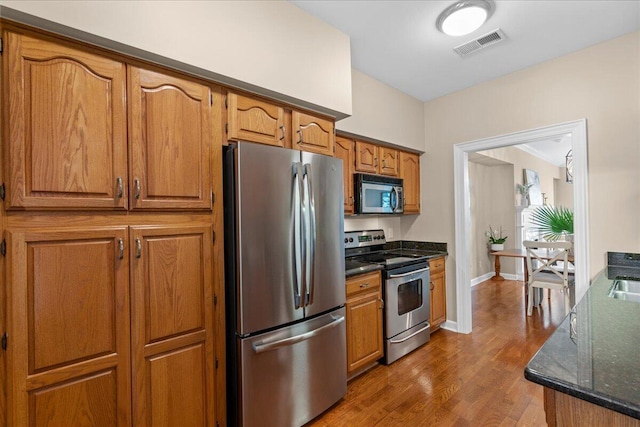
(482, 278)
(450, 325)
(490, 274)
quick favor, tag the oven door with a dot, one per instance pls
(407, 300)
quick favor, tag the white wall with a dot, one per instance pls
(384, 113)
(270, 47)
(600, 83)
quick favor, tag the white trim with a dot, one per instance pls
(480, 279)
(450, 325)
(577, 130)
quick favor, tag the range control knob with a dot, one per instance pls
(350, 239)
(346, 240)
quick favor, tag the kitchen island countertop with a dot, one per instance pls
(599, 361)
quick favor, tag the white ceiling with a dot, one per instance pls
(396, 42)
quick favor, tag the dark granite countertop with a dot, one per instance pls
(402, 247)
(600, 362)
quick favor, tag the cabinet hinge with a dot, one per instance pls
(1, 46)
(216, 363)
(211, 98)
(3, 247)
(226, 102)
(215, 300)
(2, 191)
(213, 236)
(226, 128)
(213, 197)
(4, 341)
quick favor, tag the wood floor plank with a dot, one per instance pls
(456, 379)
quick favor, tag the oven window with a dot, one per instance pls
(409, 296)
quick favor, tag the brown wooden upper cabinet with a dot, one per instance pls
(250, 119)
(410, 173)
(344, 149)
(375, 159)
(170, 138)
(312, 133)
(255, 120)
(66, 143)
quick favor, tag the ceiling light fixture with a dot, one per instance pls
(464, 17)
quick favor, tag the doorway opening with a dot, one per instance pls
(577, 132)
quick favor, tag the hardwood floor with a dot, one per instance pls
(460, 380)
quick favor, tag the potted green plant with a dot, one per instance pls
(554, 222)
(496, 238)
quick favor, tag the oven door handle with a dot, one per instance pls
(412, 335)
(422, 270)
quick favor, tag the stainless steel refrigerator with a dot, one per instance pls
(286, 334)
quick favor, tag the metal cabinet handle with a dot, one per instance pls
(300, 135)
(432, 286)
(364, 285)
(120, 187)
(352, 201)
(384, 164)
(120, 249)
(375, 162)
(138, 248)
(283, 129)
(381, 303)
(136, 184)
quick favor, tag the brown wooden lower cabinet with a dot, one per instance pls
(364, 321)
(87, 347)
(564, 410)
(438, 287)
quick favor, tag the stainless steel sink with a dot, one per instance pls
(628, 290)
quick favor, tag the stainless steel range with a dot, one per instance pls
(405, 289)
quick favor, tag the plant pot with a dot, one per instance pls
(497, 247)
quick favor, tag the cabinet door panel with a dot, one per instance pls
(170, 141)
(410, 173)
(172, 309)
(255, 121)
(345, 151)
(366, 157)
(67, 128)
(389, 161)
(313, 133)
(364, 330)
(69, 324)
(179, 387)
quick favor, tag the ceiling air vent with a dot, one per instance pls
(481, 42)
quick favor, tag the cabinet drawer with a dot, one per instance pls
(363, 283)
(436, 265)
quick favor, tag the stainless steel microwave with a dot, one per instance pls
(375, 194)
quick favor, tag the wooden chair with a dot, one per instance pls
(546, 274)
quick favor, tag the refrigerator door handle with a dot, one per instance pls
(311, 232)
(261, 348)
(298, 237)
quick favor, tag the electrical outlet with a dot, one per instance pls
(390, 233)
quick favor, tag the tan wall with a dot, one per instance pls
(272, 47)
(601, 84)
(563, 191)
(491, 205)
(384, 113)
(521, 160)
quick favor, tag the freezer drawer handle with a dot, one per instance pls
(412, 335)
(394, 276)
(261, 348)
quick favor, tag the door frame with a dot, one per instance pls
(577, 131)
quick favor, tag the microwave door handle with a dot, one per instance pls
(298, 267)
(394, 199)
(311, 232)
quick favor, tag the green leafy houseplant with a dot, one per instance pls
(553, 222)
(495, 236)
